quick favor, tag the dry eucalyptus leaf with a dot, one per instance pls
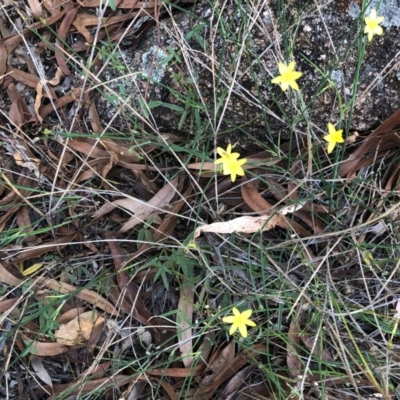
(40, 370)
(242, 224)
(79, 329)
(291, 208)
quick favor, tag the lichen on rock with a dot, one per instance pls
(389, 9)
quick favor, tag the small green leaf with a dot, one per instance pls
(112, 4)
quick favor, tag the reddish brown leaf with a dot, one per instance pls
(206, 391)
(6, 305)
(15, 114)
(177, 372)
(38, 101)
(89, 20)
(315, 348)
(114, 294)
(61, 102)
(224, 359)
(292, 186)
(69, 315)
(8, 276)
(88, 148)
(81, 28)
(90, 296)
(4, 218)
(258, 204)
(237, 381)
(254, 200)
(138, 309)
(293, 350)
(28, 79)
(13, 41)
(382, 139)
(280, 194)
(92, 386)
(25, 225)
(44, 248)
(3, 61)
(96, 371)
(94, 168)
(60, 40)
(123, 151)
(94, 117)
(43, 349)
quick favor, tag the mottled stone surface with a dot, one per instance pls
(220, 84)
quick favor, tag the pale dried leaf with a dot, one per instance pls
(130, 204)
(378, 229)
(32, 163)
(36, 7)
(244, 224)
(184, 323)
(41, 372)
(159, 201)
(7, 277)
(78, 330)
(55, 80)
(291, 208)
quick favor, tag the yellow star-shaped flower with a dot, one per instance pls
(333, 137)
(372, 25)
(287, 77)
(230, 163)
(239, 321)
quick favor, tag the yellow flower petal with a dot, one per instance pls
(334, 137)
(233, 329)
(372, 25)
(221, 151)
(231, 165)
(239, 320)
(247, 314)
(229, 320)
(294, 85)
(287, 77)
(331, 146)
(243, 330)
(235, 311)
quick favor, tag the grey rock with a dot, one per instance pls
(186, 77)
